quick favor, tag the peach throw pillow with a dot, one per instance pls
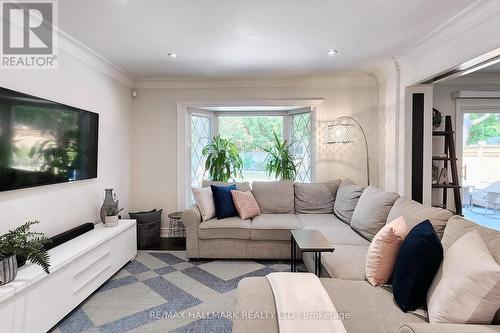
(245, 204)
(384, 250)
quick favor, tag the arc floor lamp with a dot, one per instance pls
(342, 132)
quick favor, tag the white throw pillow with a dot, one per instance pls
(205, 201)
(466, 289)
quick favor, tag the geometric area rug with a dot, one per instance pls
(164, 292)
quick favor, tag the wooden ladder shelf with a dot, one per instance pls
(451, 158)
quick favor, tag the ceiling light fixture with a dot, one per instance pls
(331, 53)
(172, 55)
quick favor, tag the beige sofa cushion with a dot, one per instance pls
(346, 262)
(320, 220)
(466, 290)
(371, 309)
(274, 197)
(243, 186)
(458, 226)
(341, 236)
(347, 198)
(414, 213)
(229, 228)
(205, 201)
(315, 198)
(371, 212)
(274, 226)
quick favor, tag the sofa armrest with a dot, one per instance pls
(448, 328)
(191, 218)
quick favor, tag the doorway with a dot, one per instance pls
(480, 159)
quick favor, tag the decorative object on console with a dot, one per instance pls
(222, 159)
(245, 204)
(384, 250)
(8, 269)
(112, 211)
(280, 160)
(24, 245)
(223, 201)
(416, 265)
(108, 200)
(341, 132)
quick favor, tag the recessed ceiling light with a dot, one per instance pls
(331, 53)
(172, 55)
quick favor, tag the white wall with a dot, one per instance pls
(452, 44)
(154, 133)
(63, 206)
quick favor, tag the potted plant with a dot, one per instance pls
(280, 160)
(222, 159)
(112, 210)
(20, 245)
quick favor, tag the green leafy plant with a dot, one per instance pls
(280, 160)
(222, 159)
(113, 208)
(26, 245)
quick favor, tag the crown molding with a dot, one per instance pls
(340, 80)
(81, 52)
(445, 48)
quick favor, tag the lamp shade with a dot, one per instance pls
(339, 133)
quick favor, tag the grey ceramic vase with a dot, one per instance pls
(108, 200)
(8, 269)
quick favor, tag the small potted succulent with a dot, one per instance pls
(20, 245)
(112, 210)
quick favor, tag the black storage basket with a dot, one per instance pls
(148, 233)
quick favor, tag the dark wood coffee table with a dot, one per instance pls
(309, 241)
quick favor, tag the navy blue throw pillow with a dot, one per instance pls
(223, 201)
(416, 265)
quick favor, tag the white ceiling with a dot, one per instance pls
(234, 38)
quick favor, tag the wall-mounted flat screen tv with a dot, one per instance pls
(43, 142)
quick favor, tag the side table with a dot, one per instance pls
(175, 226)
(309, 241)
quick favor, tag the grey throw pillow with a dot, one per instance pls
(371, 212)
(315, 198)
(347, 198)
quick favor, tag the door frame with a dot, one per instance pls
(485, 102)
(427, 90)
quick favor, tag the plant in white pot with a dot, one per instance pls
(112, 210)
(20, 245)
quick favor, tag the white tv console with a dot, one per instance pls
(35, 302)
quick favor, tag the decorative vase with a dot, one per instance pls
(8, 269)
(108, 200)
(111, 221)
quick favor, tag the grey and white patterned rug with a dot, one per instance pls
(164, 292)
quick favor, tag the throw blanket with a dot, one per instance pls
(303, 305)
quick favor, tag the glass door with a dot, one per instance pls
(481, 167)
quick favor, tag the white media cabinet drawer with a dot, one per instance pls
(97, 255)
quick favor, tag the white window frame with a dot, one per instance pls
(186, 108)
